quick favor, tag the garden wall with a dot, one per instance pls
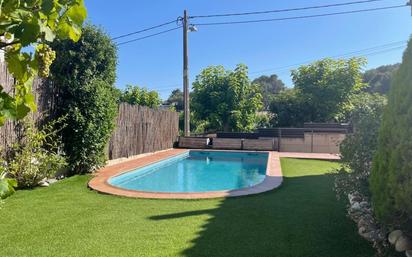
(139, 129)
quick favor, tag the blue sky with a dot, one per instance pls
(267, 48)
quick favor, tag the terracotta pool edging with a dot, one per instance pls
(99, 183)
(272, 180)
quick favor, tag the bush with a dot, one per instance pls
(7, 185)
(36, 156)
(85, 74)
(391, 178)
(358, 148)
(264, 119)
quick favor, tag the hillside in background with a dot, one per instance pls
(379, 79)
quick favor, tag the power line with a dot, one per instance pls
(260, 20)
(284, 69)
(364, 55)
(285, 10)
(300, 17)
(144, 30)
(335, 56)
(148, 36)
(246, 13)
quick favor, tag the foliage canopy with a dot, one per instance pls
(37, 23)
(269, 86)
(226, 100)
(391, 178)
(85, 73)
(322, 92)
(176, 99)
(140, 96)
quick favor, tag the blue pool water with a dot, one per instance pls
(197, 171)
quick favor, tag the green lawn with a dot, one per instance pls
(301, 218)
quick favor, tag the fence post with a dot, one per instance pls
(279, 138)
(311, 144)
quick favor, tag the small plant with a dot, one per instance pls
(36, 156)
(7, 186)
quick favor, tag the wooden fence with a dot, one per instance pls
(46, 99)
(142, 130)
(139, 129)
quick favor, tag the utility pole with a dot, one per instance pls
(410, 4)
(186, 77)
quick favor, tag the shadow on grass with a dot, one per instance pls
(301, 218)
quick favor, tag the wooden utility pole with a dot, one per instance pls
(410, 4)
(186, 77)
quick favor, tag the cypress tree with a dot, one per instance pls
(391, 177)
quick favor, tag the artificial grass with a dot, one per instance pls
(301, 218)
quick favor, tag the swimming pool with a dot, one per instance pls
(197, 171)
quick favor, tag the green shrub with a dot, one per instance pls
(7, 185)
(85, 73)
(391, 178)
(357, 149)
(36, 155)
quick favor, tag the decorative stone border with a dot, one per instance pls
(273, 176)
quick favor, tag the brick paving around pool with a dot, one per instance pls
(273, 176)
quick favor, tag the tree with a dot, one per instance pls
(391, 178)
(140, 96)
(269, 86)
(176, 99)
(327, 85)
(322, 92)
(288, 109)
(85, 73)
(27, 23)
(379, 79)
(226, 100)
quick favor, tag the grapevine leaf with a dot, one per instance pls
(21, 111)
(47, 6)
(17, 65)
(65, 31)
(77, 13)
(28, 31)
(47, 32)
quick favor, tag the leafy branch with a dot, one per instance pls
(26, 23)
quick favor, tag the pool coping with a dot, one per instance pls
(272, 180)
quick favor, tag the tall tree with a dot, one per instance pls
(327, 85)
(322, 92)
(27, 23)
(269, 87)
(85, 73)
(288, 109)
(391, 178)
(176, 99)
(379, 79)
(226, 100)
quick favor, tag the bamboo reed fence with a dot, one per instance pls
(138, 129)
